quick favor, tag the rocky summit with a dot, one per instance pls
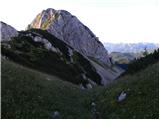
(68, 28)
(7, 31)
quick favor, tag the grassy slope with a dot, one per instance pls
(142, 99)
(29, 94)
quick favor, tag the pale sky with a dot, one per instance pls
(111, 20)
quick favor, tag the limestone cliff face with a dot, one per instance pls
(7, 32)
(68, 28)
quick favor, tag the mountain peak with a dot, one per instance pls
(69, 29)
(44, 19)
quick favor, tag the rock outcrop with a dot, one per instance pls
(68, 28)
(7, 32)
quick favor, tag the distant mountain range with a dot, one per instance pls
(130, 47)
(124, 53)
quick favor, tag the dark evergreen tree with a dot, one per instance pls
(143, 62)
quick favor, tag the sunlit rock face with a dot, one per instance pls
(68, 28)
(7, 32)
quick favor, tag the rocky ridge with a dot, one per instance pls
(59, 31)
(68, 28)
(7, 32)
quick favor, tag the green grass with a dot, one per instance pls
(142, 99)
(30, 94)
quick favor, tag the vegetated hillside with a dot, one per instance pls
(132, 62)
(124, 58)
(142, 99)
(30, 94)
(40, 50)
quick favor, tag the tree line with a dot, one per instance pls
(143, 62)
